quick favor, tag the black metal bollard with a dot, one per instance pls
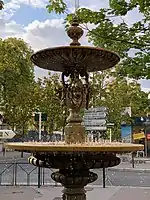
(39, 177)
(104, 177)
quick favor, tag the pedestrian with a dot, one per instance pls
(3, 150)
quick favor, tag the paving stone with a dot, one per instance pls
(93, 193)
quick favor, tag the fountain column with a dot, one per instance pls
(75, 92)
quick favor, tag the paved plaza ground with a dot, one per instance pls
(12, 155)
(125, 166)
(93, 193)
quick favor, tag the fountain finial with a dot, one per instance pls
(75, 32)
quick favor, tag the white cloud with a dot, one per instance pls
(145, 89)
(13, 5)
(145, 85)
(95, 4)
(14, 28)
(33, 3)
(91, 4)
(45, 34)
(10, 29)
(38, 34)
(48, 34)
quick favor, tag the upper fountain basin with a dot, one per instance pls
(68, 58)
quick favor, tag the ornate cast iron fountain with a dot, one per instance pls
(74, 158)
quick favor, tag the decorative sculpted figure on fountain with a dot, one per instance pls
(75, 97)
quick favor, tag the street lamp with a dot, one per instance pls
(149, 104)
(146, 124)
(39, 119)
(40, 123)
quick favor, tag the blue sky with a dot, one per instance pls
(26, 14)
(30, 20)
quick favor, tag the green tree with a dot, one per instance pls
(19, 108)
(116, 94)
(49, 103)
(16, 81)
(118, 37)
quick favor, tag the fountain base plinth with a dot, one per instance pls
(74, 194)
(74, 133)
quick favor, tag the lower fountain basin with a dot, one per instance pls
(34, 147)
(76, 156)
(75, 160)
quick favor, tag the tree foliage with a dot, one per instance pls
(16, 81)
(20, 95)
(116, 94)
(112, 32)
(48, 102)
(131, 41)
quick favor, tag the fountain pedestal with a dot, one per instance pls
(74, 194)
(74, 182)
(74, 131)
